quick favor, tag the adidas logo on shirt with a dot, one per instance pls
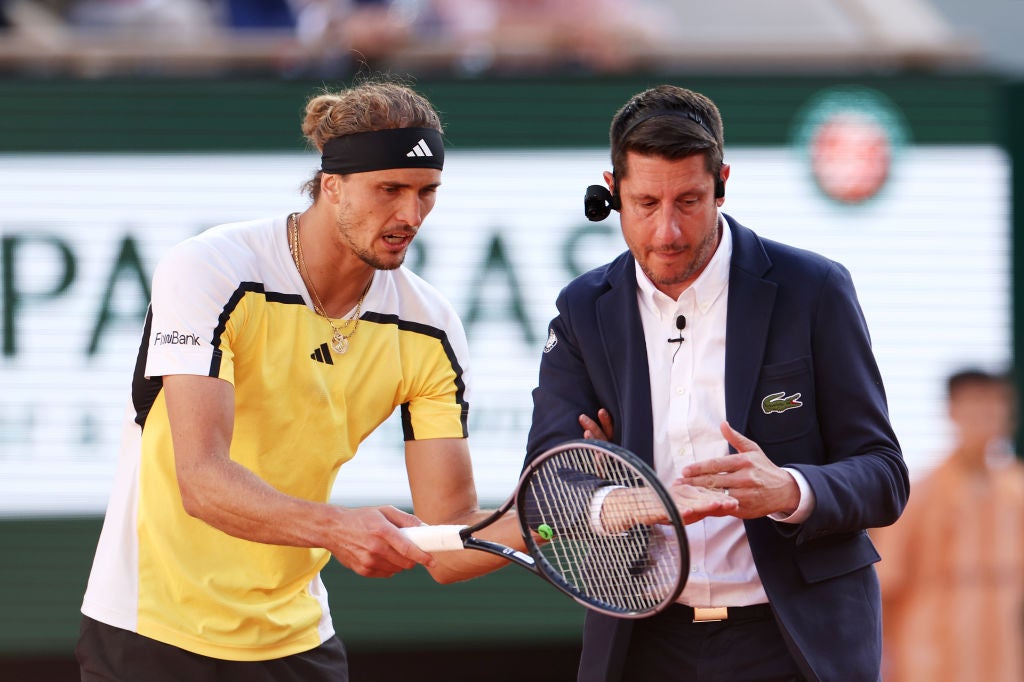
(322, 354)
(421, 149)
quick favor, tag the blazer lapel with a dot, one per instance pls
(751, 299)
(620, 328)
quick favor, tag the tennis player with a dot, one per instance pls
(271, 349)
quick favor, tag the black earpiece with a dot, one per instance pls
(598, 202)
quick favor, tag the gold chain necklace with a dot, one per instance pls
(339, 339)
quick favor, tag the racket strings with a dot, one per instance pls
(609, 554)
(627, 550)
(602, 579)
(648, 571)
(617, 551)
(561, 501)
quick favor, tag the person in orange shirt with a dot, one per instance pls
(952, 568)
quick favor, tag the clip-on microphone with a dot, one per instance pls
(680, 325)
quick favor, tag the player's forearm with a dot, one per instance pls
(457, 565)
(234, 500)
(216, 489)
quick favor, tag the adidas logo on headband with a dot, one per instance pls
(375, 150)
(421, 149)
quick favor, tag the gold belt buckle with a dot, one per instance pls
(710, 615)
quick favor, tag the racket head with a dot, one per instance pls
(631, 573)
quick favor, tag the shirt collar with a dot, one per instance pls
(705, 289)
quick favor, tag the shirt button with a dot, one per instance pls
(680, 390)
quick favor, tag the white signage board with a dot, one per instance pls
(929, 255)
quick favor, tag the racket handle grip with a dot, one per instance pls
(435, 538)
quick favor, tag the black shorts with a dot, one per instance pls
(109, 654)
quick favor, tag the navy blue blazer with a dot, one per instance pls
(794, 325)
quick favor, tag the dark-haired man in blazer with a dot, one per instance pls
(735, 363)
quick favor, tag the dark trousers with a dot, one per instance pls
(670, 647)
(109, 654)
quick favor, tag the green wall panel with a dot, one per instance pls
(1012, 105)
(43, 571)
(164, 115)
(46, 563)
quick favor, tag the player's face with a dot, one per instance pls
(380, 212)
(669, 217)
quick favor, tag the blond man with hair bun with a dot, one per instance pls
(272, 348)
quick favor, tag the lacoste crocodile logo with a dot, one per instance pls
(780, 402)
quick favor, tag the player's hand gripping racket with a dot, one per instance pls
(598, 525)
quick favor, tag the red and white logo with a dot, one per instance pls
(850, 138)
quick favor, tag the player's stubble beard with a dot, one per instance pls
(346, 228)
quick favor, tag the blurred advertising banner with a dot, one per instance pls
(925, 230)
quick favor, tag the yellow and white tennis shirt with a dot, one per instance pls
(229, 303)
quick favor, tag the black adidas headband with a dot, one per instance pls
(383, 149)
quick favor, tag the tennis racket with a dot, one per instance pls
(598, 525)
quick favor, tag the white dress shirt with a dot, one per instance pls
(688, 405)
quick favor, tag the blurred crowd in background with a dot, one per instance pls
(332, 37)
(96, 38)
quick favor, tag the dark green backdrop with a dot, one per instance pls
(262, 115)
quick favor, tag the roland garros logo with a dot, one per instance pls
(850, 139)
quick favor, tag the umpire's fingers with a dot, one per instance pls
(736, 439)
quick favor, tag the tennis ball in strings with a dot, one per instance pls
(544, 530)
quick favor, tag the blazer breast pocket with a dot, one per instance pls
(783, 406)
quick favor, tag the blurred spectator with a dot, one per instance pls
(363, 30)
(332, 35)
(318, 37)
(41, 20)
(175, 19)
(594, 35)
(165, 20)
(248, 14)
(952, 568)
